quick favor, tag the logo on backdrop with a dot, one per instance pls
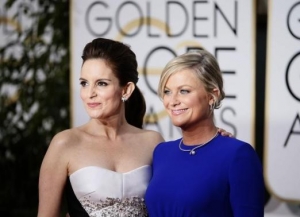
(292, 74)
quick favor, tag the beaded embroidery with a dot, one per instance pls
(115, 207)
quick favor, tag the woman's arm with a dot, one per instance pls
(246, 183)
(53, 175)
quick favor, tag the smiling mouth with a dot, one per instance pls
(178, 111)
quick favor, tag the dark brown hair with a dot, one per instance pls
(123, 63)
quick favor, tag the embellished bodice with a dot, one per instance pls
(103, 192)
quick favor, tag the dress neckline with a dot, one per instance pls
(108, 170)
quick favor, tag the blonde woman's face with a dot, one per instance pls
(100, 90)
(186, 99)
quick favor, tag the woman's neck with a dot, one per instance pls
(199, 134)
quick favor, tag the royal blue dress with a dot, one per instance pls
(223, 179)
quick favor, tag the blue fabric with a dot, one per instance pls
(223, 179)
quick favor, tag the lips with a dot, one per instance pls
(93, 105)
(178, 111)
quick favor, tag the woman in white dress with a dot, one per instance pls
(106, 162)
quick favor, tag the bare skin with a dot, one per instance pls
(188, 105)
(74, 149)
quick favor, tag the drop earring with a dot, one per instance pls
(123, 98)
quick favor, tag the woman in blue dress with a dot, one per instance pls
(201, 174)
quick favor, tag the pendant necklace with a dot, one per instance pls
(193, 150)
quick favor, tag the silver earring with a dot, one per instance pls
(123, 98)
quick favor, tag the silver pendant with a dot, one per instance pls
(192, 152)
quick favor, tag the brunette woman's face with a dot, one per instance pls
(100, 90)
(186, 99)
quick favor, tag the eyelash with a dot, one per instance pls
(83, 83)
(101, 83)
(167, 92)
(184, 91)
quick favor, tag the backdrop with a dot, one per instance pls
(282, 129)
(160, 30)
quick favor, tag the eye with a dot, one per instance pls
(83, 83)
(183, 91)
(167, 92)
(101, 83)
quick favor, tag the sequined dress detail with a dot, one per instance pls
(103, 192)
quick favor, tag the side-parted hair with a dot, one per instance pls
(122, 60)
(204, 65)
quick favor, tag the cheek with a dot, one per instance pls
(198, 105)
(190, 102)
(165, 102)
(110, 95)
(202, 105)
(83, 94)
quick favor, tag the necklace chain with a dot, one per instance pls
(193, 150)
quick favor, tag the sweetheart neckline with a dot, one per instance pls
(112, 171)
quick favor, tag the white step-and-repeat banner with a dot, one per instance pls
(158, 30)
(282, 125)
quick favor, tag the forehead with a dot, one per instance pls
(185, 76)
(96, 68)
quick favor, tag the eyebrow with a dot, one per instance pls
(179, 87)
(100, 79)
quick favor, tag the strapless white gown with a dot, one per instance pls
(103, 192)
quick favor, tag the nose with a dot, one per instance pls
(92, 92)
(174, 101)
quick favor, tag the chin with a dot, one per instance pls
(177, 124)
(94, 115)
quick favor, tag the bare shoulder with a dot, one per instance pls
(60, 149)
(65, 139)
(62, 138)
(151, 137)
(155, 135)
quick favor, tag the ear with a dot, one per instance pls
(214, 95)
(128, 89)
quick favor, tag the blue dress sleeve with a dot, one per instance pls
(246, 183)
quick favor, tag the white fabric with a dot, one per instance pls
(99, 184)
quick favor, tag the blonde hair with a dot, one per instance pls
(205, 67)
